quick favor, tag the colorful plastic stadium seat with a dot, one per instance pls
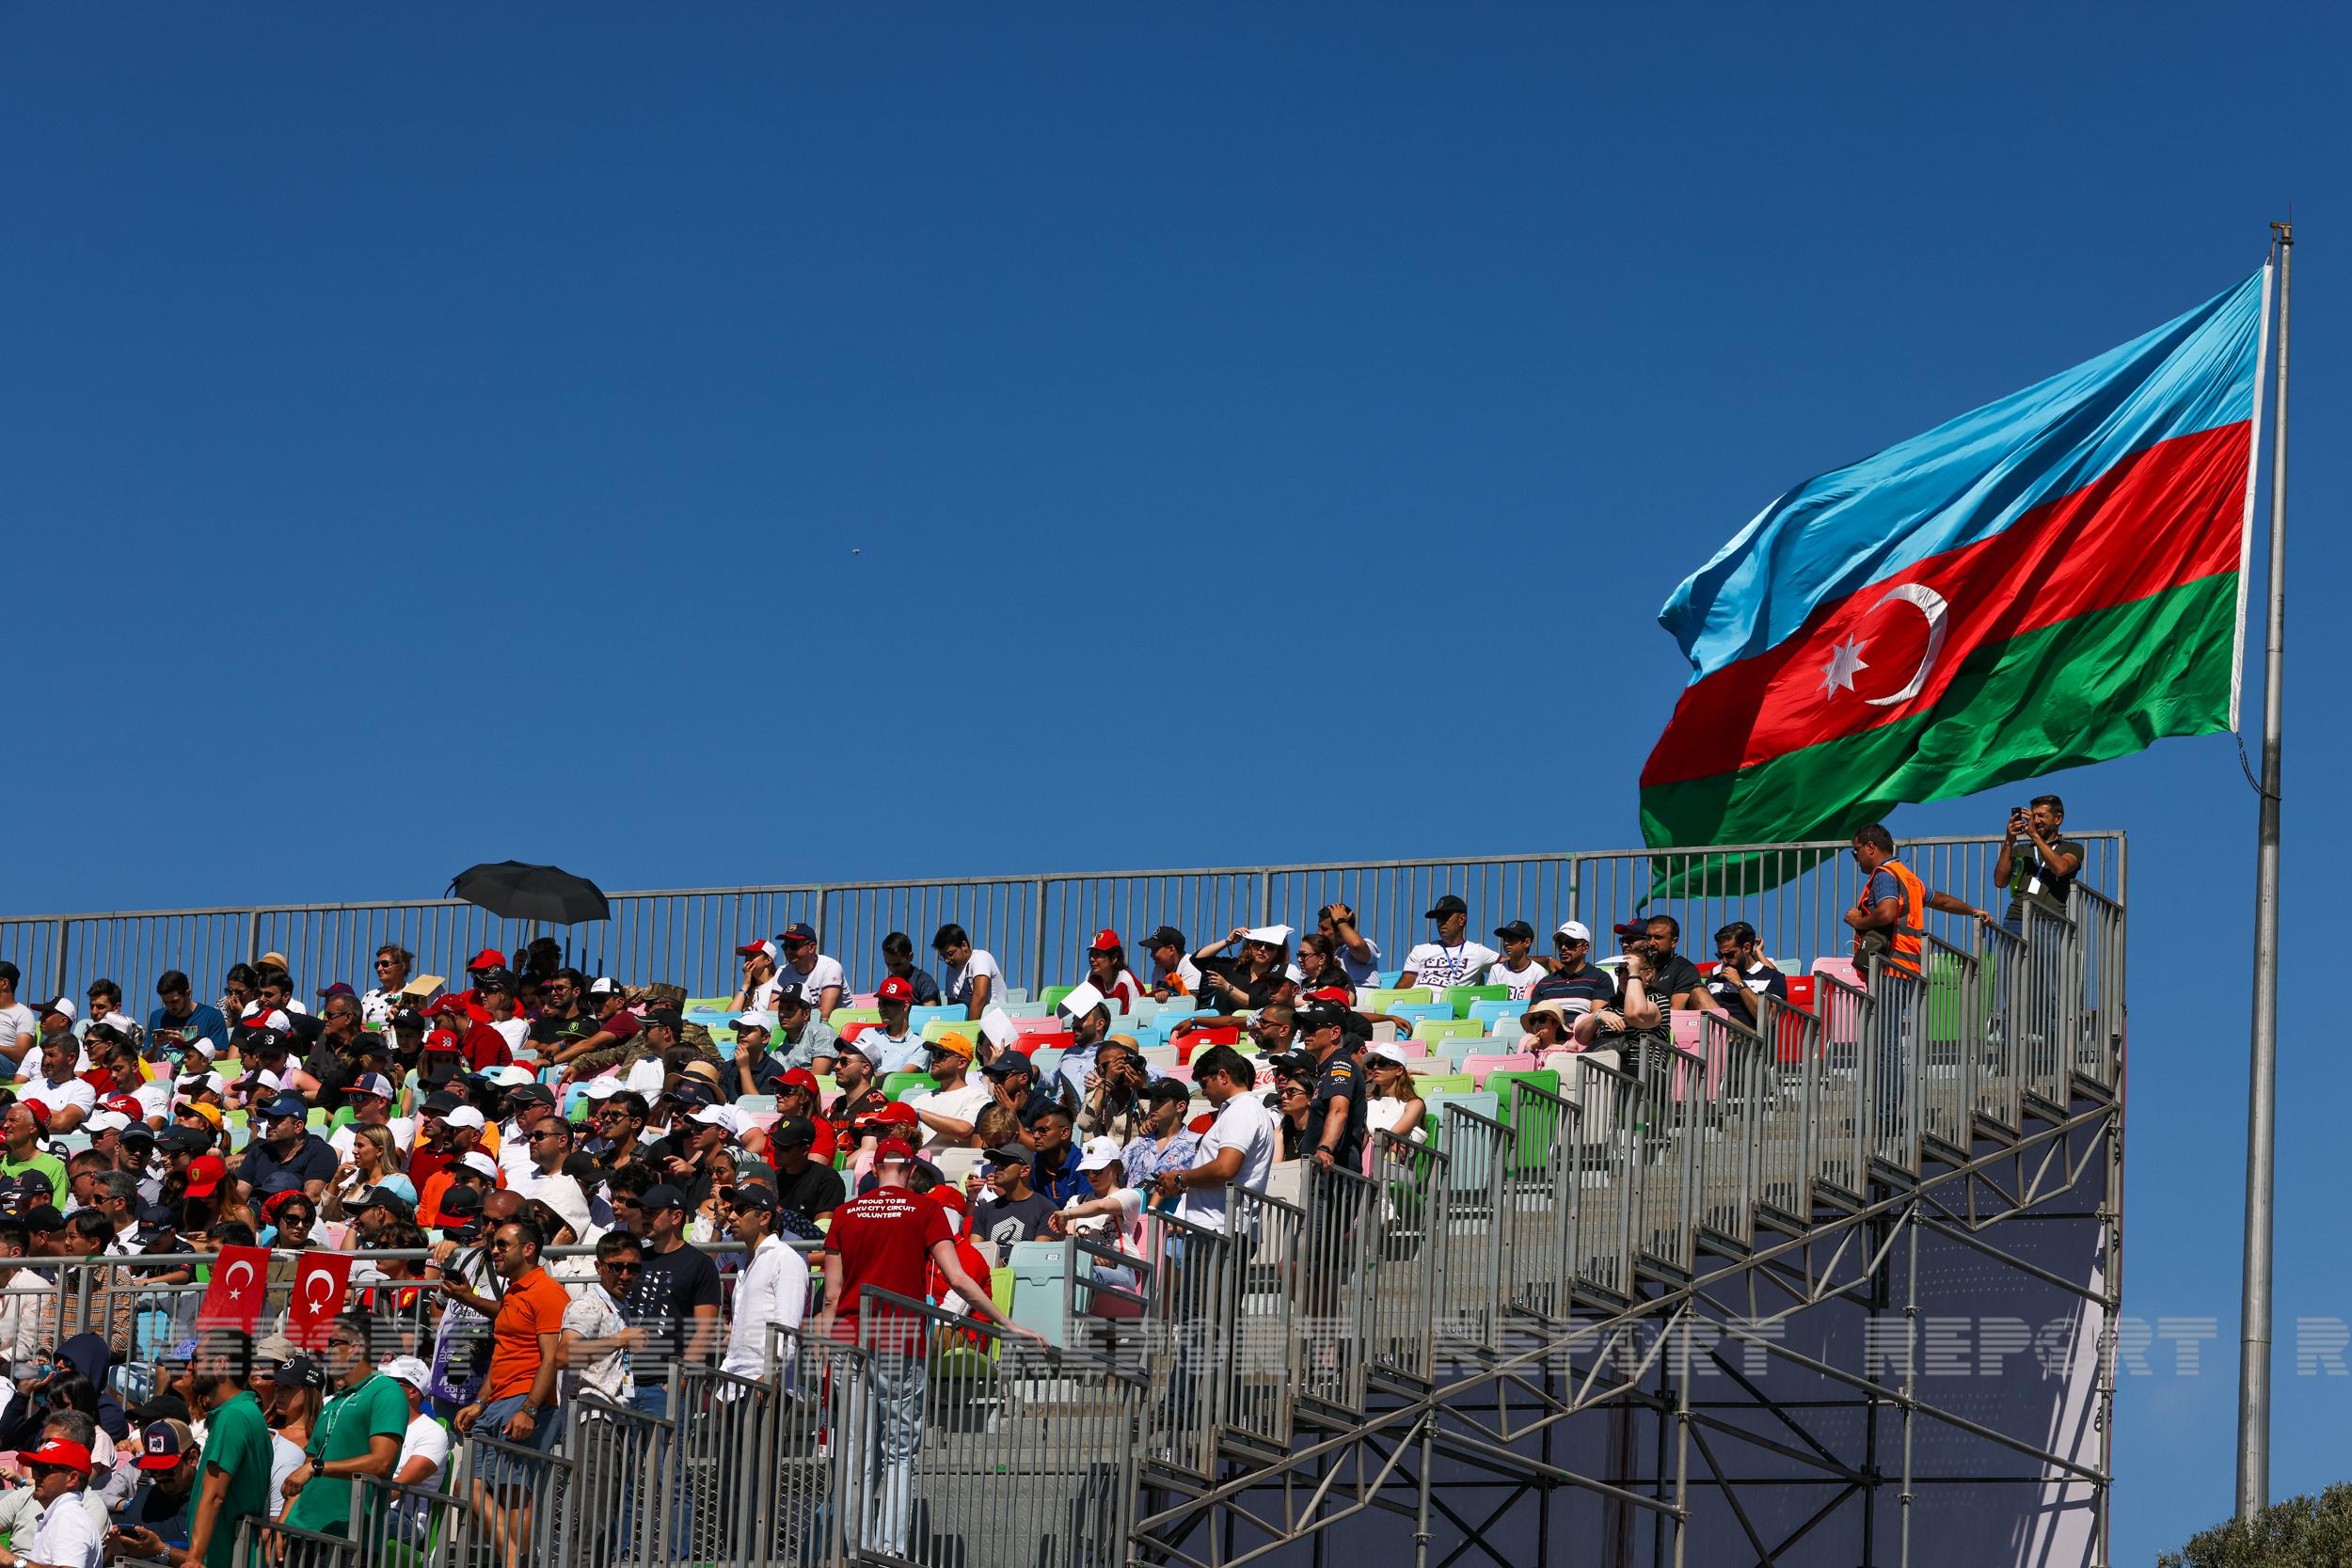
(897, 1086)
(1460, 997)
(1432, 1084)
(854, 1014)
(1416, 1011)
(1387, 999)
(1839, 969)
(957, 1024)
(1492, 1010)
(1685, 1021)
(917, 1017)
(1201, 1039)
(1387, 977)
(1481, 1068)
(1052, 995)
(1433, 1031)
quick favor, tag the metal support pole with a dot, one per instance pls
(1682, 1448)
(2253, 1398)
(1911, 1382)
(1420, 1517)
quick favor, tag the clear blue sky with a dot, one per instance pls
(769, 444)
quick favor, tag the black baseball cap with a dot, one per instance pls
(667, 1017)
(792, 1132)
(524, 1094)
(1449, 904)
(749, 1196)
(1516, 930)
(1318, 1015)
(1167, 936)
(1006, 1062)
(1162, 1090)
(662, 1194)
(1297, 1063)
(301, 1371)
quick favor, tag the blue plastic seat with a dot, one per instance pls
(1489, 1012)
(1416, 1011)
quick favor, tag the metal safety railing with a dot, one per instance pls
(963, 1444)
(1037, 925)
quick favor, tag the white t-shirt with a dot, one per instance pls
(68, 1537)
(403, 1134)
(1187, 971)
(1124, 1229)
(17, 1021)
(514, 1031)
(155, 1098)
(826, 972)
(285, 1457)
(764, 993)
(428, 1439)
(57, 1097)
(645, 1076)
(956, 983)
(1437, 966)
(964, 1104)
(1244, 1123)
(1521, 981)
(594, 1315)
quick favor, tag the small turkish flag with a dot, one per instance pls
(320, 1282)
(233, 1299)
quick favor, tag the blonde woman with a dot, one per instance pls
(375, 1162)
(1395, 1105)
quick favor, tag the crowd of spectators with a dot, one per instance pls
(541, 1170)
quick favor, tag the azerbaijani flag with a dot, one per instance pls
(2051, 579)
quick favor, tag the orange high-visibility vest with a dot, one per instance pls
(1911, 922)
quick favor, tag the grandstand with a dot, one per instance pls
(1841, 1287)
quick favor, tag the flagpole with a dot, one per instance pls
(2254, 1398)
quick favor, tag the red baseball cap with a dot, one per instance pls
(800, 1078)
(899, 1111)
(894, 989)
(766, 949)
(489, 957)
(57, 1451)
(128, 1104)
(443, 1039)
(443, 1005)
(1330, 993)
(39, 1113)
(893, 1151)
(1104, 940)
(206, 1172)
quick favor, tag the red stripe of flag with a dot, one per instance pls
(2163, 516)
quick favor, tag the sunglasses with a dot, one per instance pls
(620, 1268)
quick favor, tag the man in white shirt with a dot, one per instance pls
(1173, 972)
(598, 1339)
(1515, 968)
(18, 1026)
(70, 1100)
(528, 1105)
(949, 1112)
(969, 977)
(1452, 960)
(1239, 1145)
(370, 1096)
(424, 1447)
(68, 1536)
(817, 977)
(774, 1286)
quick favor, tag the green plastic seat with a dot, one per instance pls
(1051, 996)
(901, 1084)
(1444, 1082)
(842, 1015)
(1460, 997)
(1377, 999)
(1440, 1030)
(939, 1027)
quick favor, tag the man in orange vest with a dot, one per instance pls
(1890, 916)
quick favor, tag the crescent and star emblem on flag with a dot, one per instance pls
(1846, 661)
(228, 1277)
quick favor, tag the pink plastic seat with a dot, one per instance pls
(1478, 1066)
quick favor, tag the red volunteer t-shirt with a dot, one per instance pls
(882, 1240)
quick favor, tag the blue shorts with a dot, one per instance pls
(497, 1468)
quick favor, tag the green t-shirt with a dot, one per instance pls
(48, 1164)
(236, 1443)
(377, 1408)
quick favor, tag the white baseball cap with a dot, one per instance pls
(1391, 1051)
(714, 1115)
(757, 1019)
(1576, 930)
(408, 1370)
(463, 1116)
(1100, 1153)
(107, 1121)
(602, 1088)
(477, 1160)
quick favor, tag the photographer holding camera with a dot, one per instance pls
(2042, 867)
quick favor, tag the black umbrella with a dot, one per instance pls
(519, 891)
